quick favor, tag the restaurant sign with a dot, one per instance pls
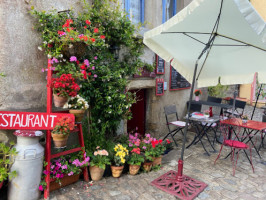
(30, 120)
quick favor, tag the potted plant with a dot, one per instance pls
(156, 152)
(77, 106)
(119, 159)
(147, 148)
(6, 154)
(168, 144)
(206, 113)
(98, 162)
(62, 130)
(135, 160)
(244, 119)
(64, 170)
(64, 87)
(197, 93)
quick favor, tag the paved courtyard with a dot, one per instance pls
(221, 184)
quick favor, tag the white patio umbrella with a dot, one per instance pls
(227, 40)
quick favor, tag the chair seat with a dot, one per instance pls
(209, 124)
(236, 144)
(178, 123)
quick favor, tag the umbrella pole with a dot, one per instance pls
(256, 102)
(175, 183)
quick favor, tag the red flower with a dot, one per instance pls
(88, 22)
(96, 30)
(77, 62)
(168, 141)
(160, 141)
(68, 30)
(102, 37)
(92, 39)
(85, 26)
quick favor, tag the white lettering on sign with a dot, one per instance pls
(26, 120)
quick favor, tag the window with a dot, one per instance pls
(169, 9)
(135, 10)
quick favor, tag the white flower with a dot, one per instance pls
(49, 56)
(40, 48)
(45, 42)
(110, 112)
(61, 56)
(99, 121)
(70, 46)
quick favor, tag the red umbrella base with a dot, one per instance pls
(184, 187)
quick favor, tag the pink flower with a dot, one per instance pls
(73, 58)
(42, 69)
(70, 173)
(86, 62)
(144, 147)
(45, 172)
(93, 67)
(95, 58)
(95, 76)
(57, 175)
(64, 167)
(41, 188)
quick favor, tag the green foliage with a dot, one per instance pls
(218, 90)
(7, 154)
(100, 159)
(135, 159)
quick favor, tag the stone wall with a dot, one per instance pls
(24, 86)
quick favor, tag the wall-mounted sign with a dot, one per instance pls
(159, 86)
(30, 120)
(177, 81)
(160, 65)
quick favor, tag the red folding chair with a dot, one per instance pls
(234, 140)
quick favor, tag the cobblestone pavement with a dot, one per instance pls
(245, 185)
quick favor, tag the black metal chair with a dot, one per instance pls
(239, 108)
(214, 99)
(194, 107)
(172, 119)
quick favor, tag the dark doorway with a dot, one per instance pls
(138, 113)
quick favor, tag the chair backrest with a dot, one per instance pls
(194, 107)
(214, 99)
(170, 110)
(238, 104)
(263, 118)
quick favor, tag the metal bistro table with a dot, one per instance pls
(202, 125)
(251, 128)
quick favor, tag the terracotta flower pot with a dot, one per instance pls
(79, 114)
(157, 161)
(147, 166)
(59, 101)
(96, 173)
(66, 180)
(117, 171)
(60, 140)
(134, 169)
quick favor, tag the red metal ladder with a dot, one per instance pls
(48, 155)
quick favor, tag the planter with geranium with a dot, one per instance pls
(147, 148)
(64, 170)
(197, 93)
(64, 87)
(135, 160)
(61, 131)
(156, 152)
(6, 160)
(98, 162)
(119, 159)
(77, 106)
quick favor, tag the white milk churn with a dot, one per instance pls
(28, 164)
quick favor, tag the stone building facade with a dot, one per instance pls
(24, 86)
